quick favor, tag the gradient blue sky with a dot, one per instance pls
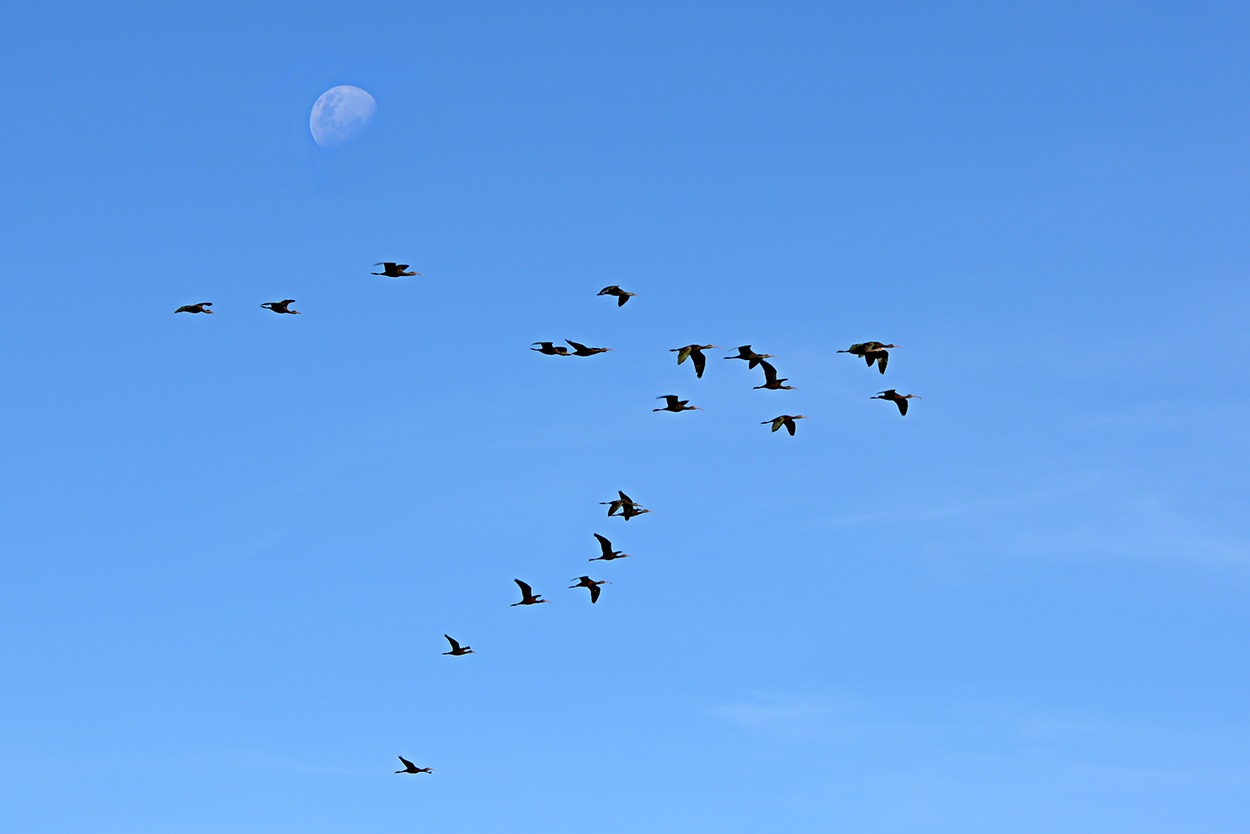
(232, 544)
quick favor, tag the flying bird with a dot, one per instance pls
(283, 306)
(621, 295)
(770, 379)
(784, 420)
(202, 307)
(895, 397)
(627, 506)
(456, 649)
(393, 270)
(550, 349)
(628, 511)
(695, 354)
(528, 597)
(617, 503)
(675, 404)
(752, 358)
(409, 767)
(608, 553)
(872, 352)
(581, 350)
(592, 584)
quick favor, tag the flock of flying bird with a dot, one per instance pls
(872, 352)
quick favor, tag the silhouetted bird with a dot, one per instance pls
(409, 767)
(202, 307)
(784, 420)
(393, 270)
(283, 306)
(628, 511)
(581, 350)
(872, 352)
(752, 358)
(628, 507)
(608, 553)
(770, 379)
(456, 649)
(695, 354)
(621, 295)
(675, 404)
(592, 584)
(550, 349)
(528, 597)
(895, 397)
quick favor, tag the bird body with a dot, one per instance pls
(528, 597)
(752, 358)
(581, 350)
(550, 349)
(895, 397)
(674, 404)
(872, 352)
(456, 649)
(393, 270)
(202, 307)
(621, 295)
(409, 767)
(771, 382)
(695, 354)
(592, 584)
(283, 306)
(784, 420)
(608, 554)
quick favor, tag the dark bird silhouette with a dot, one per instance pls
(283, 306)
(752, 358)
(393, 270)
(621, 295)
(784, 420)
(872, 352)
(581, 350)
(895, 397)
(528, 597)
(675, 404)
(456, 649)
(628, 511)
(202, 307)
(550, 349)
(695, 354)
(409, 767)
(770, 379)
(617, 503)
(608, 553)
(592, 584)
(628, 507)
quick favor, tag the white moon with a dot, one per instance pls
(340, 114)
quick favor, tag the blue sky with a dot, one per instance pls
(233, 543)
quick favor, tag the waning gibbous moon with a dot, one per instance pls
(340, 114)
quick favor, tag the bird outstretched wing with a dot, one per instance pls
(700, 362)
